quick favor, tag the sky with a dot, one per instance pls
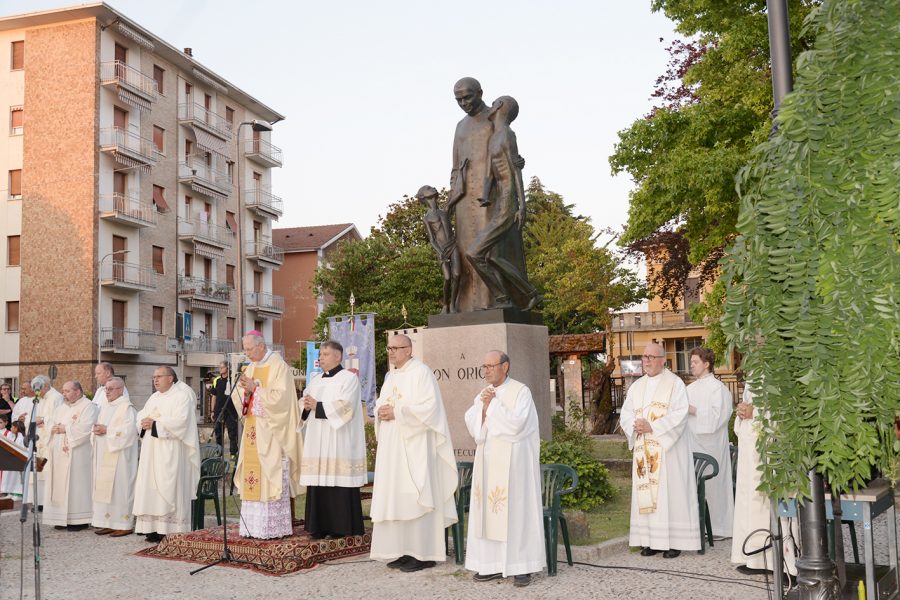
(367, 88)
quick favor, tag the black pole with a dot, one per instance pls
(816, 575)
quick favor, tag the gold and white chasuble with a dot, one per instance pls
(67, 491)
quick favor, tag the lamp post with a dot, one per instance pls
(99, 293)
(255, 125)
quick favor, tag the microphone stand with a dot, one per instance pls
(31, 469)
(226, 553)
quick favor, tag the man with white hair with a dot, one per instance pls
(67, 491)
(22, 408)
(267, 475)
(654, 417)
(115, 438)
(169, 466)
(48, 400)
(102, 373)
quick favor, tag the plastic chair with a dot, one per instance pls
(210, 451)
(553, 478)
(212, 471)
(457, 530)
(733, 450)
(831, 533)
(705, 468)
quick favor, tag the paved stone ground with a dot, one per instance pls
(80, 565)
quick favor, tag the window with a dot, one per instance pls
(158, 265)
(159, 139)
(207, 103)
(229, 275)
(12, 316)
(229, 324)
(158, 320)
(258, 325)
(188, 150)
(257, 281)
(229, 165)
(159, 196)
(229, 117)
(158, 76)
(683, 349)
(120, 118)
(188, 265)
(207, 269)
(230, 221)
(16, 120)
(691, 292)
(15, 184)
(17, 58)
(13, 257)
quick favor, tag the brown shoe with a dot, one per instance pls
(121, 532)
(104, 531)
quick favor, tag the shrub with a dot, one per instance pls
(573, 447)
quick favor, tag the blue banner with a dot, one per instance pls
(357, 335)
(312, 361)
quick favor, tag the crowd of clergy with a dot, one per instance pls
(126, 471)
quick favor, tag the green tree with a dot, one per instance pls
(812, 280)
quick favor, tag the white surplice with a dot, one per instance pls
(334, 449)
(169, 465)
(115, 458)
(709, 428)
(415, 469)
(67, 487)
(675, 524)
(509, 420)
(49, 401)
(22, 407)
(753, 509)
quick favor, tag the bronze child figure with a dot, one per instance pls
(443, 240)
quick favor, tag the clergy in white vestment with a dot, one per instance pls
(67, 487)
(22, 408)
(664, 510)
(710, 412)
(11, 481)
(506, 513)
(752, 508)
(268, 468)
(102, 373)
(334, 448)
(48, 400)
(115, 439)
(415, 469)
(169, 464)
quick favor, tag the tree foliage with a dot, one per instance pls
(812, 280)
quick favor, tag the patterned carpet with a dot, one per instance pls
(269, 557)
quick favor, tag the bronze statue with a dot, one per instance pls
(440, 233)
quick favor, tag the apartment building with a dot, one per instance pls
(137, 187)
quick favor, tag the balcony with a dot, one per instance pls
(128, 147)
(204, 178)
(209, 240)
(127, 276)
(265, 305)
(262, 152)
(211, 345)
(263, 252)
(197, 116)
(264, 203)
(132, 86)
(129, 341)
(205, 294)
(658, 319)
(127, 210)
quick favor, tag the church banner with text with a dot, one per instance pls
(357, 335)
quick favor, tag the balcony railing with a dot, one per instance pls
(658, 319)
(127, 275)
(196, 172)
(197, 115)
(264, 251)
(129, 144)
(204, 289)
(211, 345)
(264, 302)
(206, 232)
(127, 209)
(118, 73)
(263, 152)
(129, 341)
(265, 202)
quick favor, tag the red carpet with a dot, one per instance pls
(271, 557)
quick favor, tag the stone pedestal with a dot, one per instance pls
(456, 354)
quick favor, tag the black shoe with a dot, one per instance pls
(745, 570)
(77, 527)
(647, 551)
(415, 564)
(671, 553)
(396, 564)
(154, 538)
(488, 577)
(59, 527)
(522, 580)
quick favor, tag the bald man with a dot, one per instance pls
(664, 510)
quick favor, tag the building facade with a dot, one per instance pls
(138, 188)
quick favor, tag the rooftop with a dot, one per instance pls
(314, 237)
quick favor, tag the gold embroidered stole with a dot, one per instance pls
(648, 459)
(489, 508)
(251, 476)
(106, 472)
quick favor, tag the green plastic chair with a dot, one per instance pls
(553, 479)
(457, 530)
(212, 471)
(832, 532)
(210, 451)
(705, 468)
